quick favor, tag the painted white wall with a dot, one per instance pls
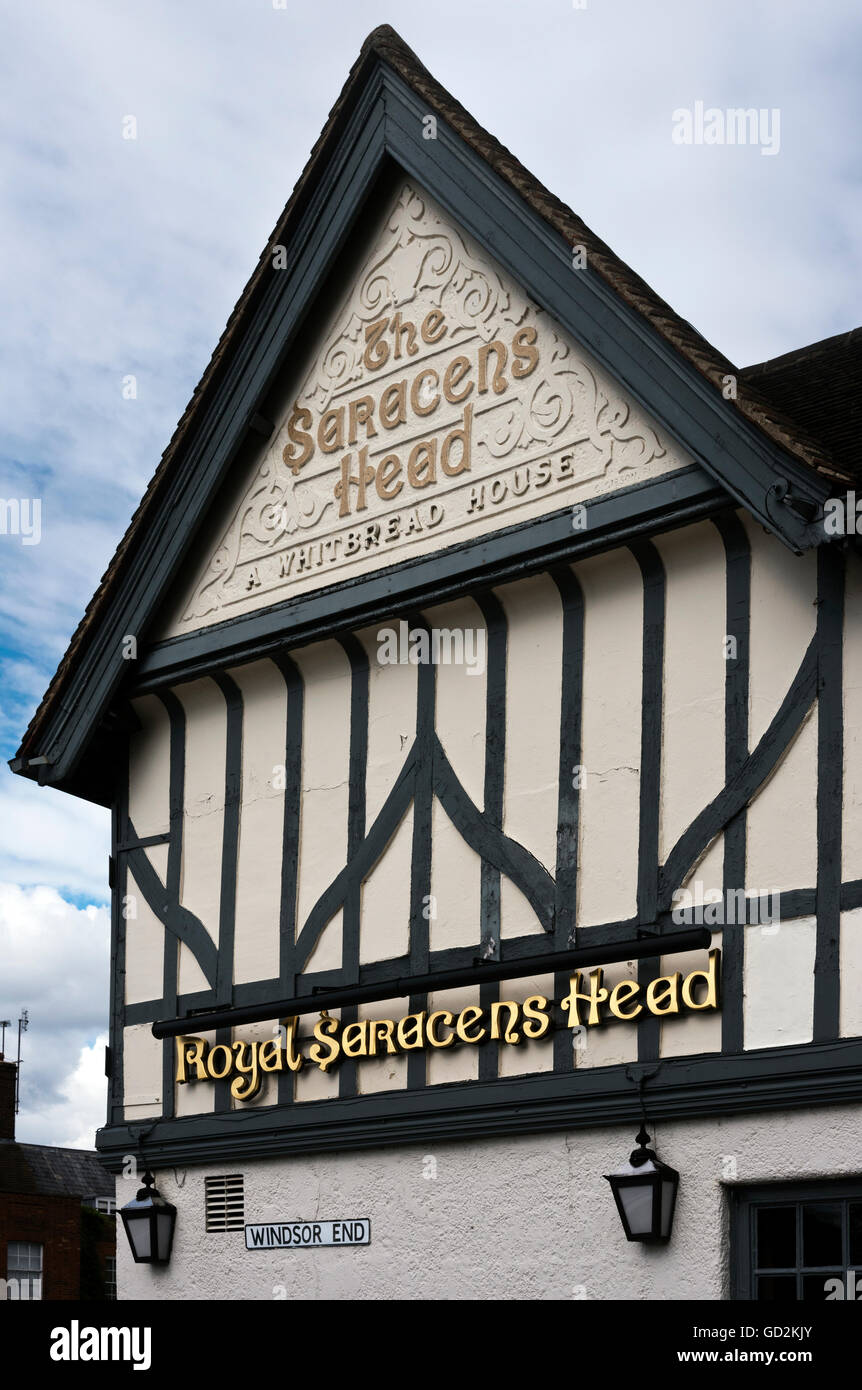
(149, 754)
(852, 831)
(610, 737)
(258, 878)
(515, 1218)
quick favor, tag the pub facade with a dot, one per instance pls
(477, 693)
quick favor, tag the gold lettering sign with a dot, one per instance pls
(588, 1003)
(493, 367)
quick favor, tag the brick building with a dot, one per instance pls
(56, 1215)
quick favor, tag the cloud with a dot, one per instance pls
(55, 963)
(71, 1121)
(52, 839)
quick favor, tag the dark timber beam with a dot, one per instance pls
(660, 504)
(693, 940)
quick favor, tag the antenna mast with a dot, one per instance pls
(23, 1025)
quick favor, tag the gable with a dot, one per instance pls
(437, 403)
(742, 448)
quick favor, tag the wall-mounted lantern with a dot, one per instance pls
(149, 1221)
(645, 1193)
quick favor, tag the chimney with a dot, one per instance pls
(7, 1100)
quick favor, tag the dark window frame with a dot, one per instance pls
(746, 1200)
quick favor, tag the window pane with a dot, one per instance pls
(24, 1287)
(821, 1234)
(814, 1288)
(23, 1270)
(23, 1256)
(777, 1288)
(776, 1237)
(856, 1233)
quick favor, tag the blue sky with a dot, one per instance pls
(124, 257)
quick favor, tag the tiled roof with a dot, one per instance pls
(52, 1172)
(820, 386)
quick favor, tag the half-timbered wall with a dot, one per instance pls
(663, 716)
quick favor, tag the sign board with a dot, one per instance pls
(588, 1005)
(437, 404)
(295, 1235)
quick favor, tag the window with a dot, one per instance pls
(225, 1203)
(797, 1243)
(23, 1270)
(105, 1204)
(110, 1276)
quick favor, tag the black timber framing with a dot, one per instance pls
(637, 511)
(798, 902)
(830, 791)
(176, 801)
(356, 813)
(736, 695)
(117, 1003)
(495, 780)
(379, 140)
(569, 795)
(652, 706)
(819, 673)
(379, 134)
(712, 1085)
(483, 971)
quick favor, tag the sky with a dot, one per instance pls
(147, 149)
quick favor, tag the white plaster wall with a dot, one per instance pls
(261, 829)
(851, 973)
(778, 1008)
(325, 788)
(385, 900)
(783, 620)
(149, 768)
(533, 691)
(386, 1073)
(695, 1032)
(203, 813)
(610, 737)
(782, 847)
(514, 1218)
(456, 869)
(852, 833)
(692, 755)
(145, 946)
(142, 1072)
